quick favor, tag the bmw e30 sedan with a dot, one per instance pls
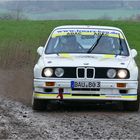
(86, 63)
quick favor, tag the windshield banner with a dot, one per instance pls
(110, 33)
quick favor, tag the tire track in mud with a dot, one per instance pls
(21, 122)
(129, 124)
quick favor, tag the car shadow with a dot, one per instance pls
(84, 107)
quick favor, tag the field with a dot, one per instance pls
(20, 39)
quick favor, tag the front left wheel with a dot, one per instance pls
(131, 105)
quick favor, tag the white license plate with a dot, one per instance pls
(85, 84)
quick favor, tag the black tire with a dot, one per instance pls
(39, 104)
(131, 105)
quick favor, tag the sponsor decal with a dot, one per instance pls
(66, 32)
(65, 55)
(108, 56)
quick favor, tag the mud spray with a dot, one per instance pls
(17, 84)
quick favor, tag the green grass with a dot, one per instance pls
(20, 39)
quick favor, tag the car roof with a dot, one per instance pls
(88, 26)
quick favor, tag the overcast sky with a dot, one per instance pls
(71, 9)
(67, 0)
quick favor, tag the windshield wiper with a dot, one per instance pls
(120, 42)
(95, 44)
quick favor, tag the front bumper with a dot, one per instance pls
(107, 91)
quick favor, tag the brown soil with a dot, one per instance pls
(17, 84)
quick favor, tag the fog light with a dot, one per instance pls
(121, 85)
(50, 83)
(123, 91)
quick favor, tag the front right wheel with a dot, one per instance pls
(39, 104)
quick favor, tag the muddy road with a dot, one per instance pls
(61, 120)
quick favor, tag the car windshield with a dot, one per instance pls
(94, 42)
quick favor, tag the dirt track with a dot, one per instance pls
(62, 121)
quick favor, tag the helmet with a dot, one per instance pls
(69, 39)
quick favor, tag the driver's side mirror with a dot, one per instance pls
(40, 50)
(133, 53)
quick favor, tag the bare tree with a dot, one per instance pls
(7, 16)
(18, 11)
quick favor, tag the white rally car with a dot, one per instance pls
(86, 63)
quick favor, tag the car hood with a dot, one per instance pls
(74, 60)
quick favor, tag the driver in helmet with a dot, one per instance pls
(68, 44)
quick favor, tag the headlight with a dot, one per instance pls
(48, 72)
(111, 73)
(122, 74)
(59, 72)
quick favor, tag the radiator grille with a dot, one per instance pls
(85, 72)
(81, 72)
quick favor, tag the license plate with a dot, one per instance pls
(83, 84)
